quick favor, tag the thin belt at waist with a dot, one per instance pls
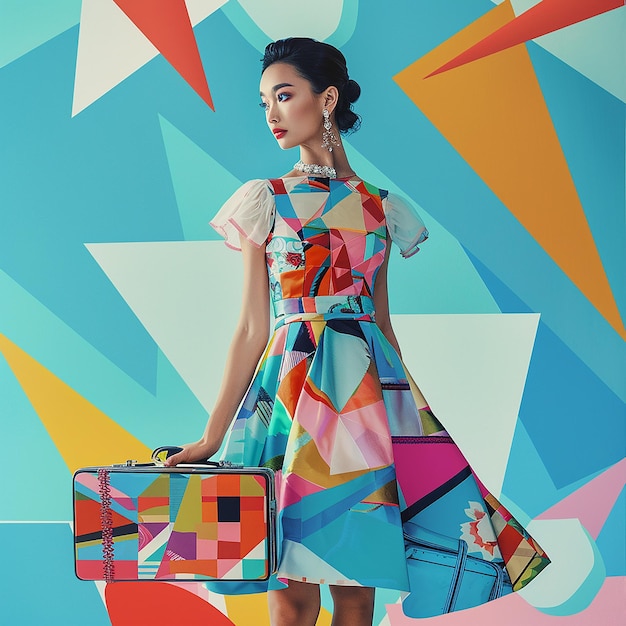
(323, 308)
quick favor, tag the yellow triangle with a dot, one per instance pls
(82, 433)
(493, 112)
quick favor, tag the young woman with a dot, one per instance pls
(322, 400)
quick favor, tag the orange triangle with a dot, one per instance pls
(493, 112)
(168, 27)
(83, 434)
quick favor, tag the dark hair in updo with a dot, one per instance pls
(323, 66)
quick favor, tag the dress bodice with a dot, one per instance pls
(328, 238)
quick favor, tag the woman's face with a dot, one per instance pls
(293, 110)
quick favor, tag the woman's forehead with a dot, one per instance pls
(280, 74)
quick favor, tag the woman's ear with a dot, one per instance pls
(331, 96)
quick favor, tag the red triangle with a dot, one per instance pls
(342, 279)
(168, 27)
(341, 259)
(541, 19)
(88, 517)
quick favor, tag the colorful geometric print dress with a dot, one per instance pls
(367, 481)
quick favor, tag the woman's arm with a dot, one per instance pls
(383, 320)
(381, 302)
(246, 348)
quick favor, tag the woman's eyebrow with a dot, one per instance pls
(275, 88)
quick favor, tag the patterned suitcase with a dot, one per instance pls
(190, 522)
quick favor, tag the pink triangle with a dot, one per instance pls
(336, 241)
(168, 27)
(356, 250)
(294, 223)
(371, 222)
(593, 502)
(423, 467)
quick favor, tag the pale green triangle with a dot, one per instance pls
(26, 24)
(201, 184)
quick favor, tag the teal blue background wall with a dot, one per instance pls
(117, 298)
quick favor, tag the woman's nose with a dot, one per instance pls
(272, 113)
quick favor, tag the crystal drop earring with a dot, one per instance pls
(329, 139)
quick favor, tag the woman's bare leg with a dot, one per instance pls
(354, 606)
(298, 605)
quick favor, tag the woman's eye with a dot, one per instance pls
(264, 105)
(281, 97)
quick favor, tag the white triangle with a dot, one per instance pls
(346, 456)
(111, 47)
(258, 552)
(187, 296)
(472, 370)
(235, 572)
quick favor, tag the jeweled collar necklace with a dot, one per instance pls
(323, 171)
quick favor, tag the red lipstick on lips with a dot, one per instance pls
(279, 132)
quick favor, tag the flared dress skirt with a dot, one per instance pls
(331, 408)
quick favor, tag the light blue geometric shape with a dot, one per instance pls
(200, 183)
(59, 601)
(612, 538)
(339, 383)
(558, 420)
(528, 489)
(599, 346)
(57, 196)
(527, 482)
(26, 24)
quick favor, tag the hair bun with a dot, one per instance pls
(352, 91)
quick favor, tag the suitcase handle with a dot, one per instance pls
(159, 455)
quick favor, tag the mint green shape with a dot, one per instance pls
(201, 184)
(256, 37)
(586, 593)
(347, 24)
(26, 24)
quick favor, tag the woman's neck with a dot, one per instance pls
(320, 156)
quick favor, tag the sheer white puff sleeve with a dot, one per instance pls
(404, 225)
(248, 213)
